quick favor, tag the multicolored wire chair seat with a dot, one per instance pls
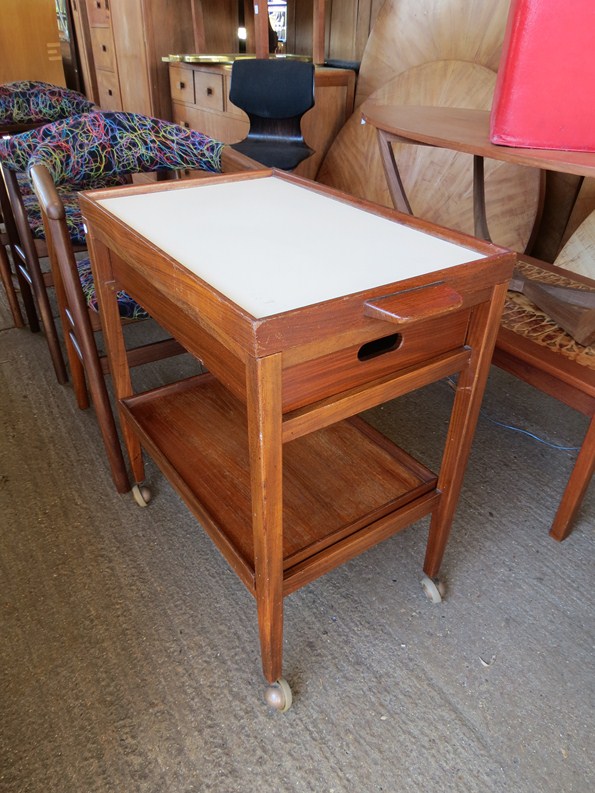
(33, 102)
(102, 149)
(17, 150)
(72, 210)
(99, 149)
(128, 308)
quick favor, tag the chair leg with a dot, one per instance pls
(11, 295)
(107, 426)
(77, 372)
(576, 488)
(49, 326)
(28, 302)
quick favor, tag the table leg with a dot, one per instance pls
(483, 330)
(391, 172)
(480, 220)
(581, 476)
(266, 474)
(111, 326)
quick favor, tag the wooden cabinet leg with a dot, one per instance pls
(581, 475)
(266, 462)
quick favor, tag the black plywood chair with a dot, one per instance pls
(275, 94)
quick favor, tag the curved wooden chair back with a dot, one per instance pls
(274, 94)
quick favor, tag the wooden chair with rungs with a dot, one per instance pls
(25, 105)
(91, 149)
(533, 346)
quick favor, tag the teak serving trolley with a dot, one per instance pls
(307, 307)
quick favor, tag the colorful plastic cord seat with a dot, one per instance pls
(30, 102)
(87, 152)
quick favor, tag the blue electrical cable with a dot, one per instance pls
(521, 430)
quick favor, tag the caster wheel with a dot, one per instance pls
(142, 495)
(278, 695)
(433, 589)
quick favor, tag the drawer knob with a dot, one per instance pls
(110, 92)
(104, 48)
(209, 92)
(182, 86)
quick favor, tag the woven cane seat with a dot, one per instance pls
(523, 317)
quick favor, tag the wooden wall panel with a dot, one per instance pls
(348, 25)
(434, 52)
(220, 25)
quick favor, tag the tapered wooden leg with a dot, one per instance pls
(483, 330)
(266, 464)
(73, 352)
(47, 317)
(13, 237)
(11, 295)
(480, 219)
(118, 361)
(581, 476)
(391, 172)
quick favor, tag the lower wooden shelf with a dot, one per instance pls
(345, 487)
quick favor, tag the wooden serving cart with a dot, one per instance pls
(307, 307)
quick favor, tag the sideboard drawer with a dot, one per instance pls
(181, 83)
(108, 87)
(208, 90)
(103, 49)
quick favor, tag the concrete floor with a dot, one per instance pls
(129, 658)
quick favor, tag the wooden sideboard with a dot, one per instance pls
(122, 44)
(200, 100)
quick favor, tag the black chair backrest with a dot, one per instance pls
(272, 88)
(275, 94)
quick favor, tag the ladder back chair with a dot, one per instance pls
(92, 151)
(24, 105)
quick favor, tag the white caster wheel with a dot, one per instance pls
(142, 495)
(278, 695)
(433, 589)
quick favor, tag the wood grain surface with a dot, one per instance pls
(438, 182)
(578, 254)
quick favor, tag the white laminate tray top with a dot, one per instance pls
(271, 246)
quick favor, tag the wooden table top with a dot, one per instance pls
(467, 130)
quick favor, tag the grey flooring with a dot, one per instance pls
(129, 657)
